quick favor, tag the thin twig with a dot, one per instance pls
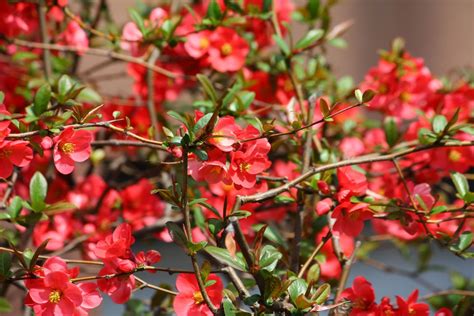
(42, 11)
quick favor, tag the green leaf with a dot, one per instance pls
(5, 306)
(309, 39)
(65, 84)
(224, 256)
(15, 207)
(439, 123)
(314, 273)
(269, 258)
(89, 95)
(282, 45)
(2, 96)
(138, 19)
(208, 87)
(368, 95)
(214, 11)
(203, 121)
(465, 241)
(177, 235)
(391, 130)
(296, 288)
(313, 9)
(5, 264)
(215, 225)
(284, 199)
(426, 137)
(38, 191)
(42, 98)
(461, 184)
(322, 293)
(438, 209)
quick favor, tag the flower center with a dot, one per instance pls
(360, 304)
(244, 166)
(203, 43)
(55, 296)
(454, 155)
(5, 153)
(67, 148)
(198, 299)
(226, 49)
(405, 96)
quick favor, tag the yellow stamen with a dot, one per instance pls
(226, 49)
(244, 166)
(55, 296)
(203, 43)
(67, 148)
(198, 299)
(5, 153)
(454, 155)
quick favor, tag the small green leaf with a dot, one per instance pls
(224, 256)
(439, 123)
(5, 264)
(214, 11)
(296, 288)
(269, 258)
(42, 98)
(313, 9)
(203, 121)
(65, 84)
(38, 191)
(322, 294)
(426, 137)
(461, 184)
(314, 273)
(177, 235)
(391, 130)
(208, 87)
(438, 209)
(368, 95)
(282, 45)
(465, 241)
(15, 207)
(309, 39)
(138, 19)
(89, 95)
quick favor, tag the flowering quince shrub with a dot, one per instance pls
(236, 143)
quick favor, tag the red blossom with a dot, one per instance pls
(362, 296)
(53, 294)
(227, 51)
(189, 300)
(71, 146)
(411, 307)
(14, 153)
(350, 218)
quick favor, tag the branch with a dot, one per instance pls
(259, 197)
(99, 52)
(42, 11)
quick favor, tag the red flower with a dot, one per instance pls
(444, 311)
(52, 293)
(116, 245)
(248, 163)
(14, 153)
(362, 296)
(225, 133)
(351, 180)
(228, 50)
(411, 307)
(119, 288)
(75, 36)
(350, 218)
(197, 44)
(189, 301)
(71, 146)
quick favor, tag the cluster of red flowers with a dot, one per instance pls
(248, 156)
(362, 296)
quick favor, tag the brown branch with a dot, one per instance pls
(259, 197)
(99, 52)
(448, 292)
(313, 255)
(42, 11)
(346, 271)
(151, 91)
